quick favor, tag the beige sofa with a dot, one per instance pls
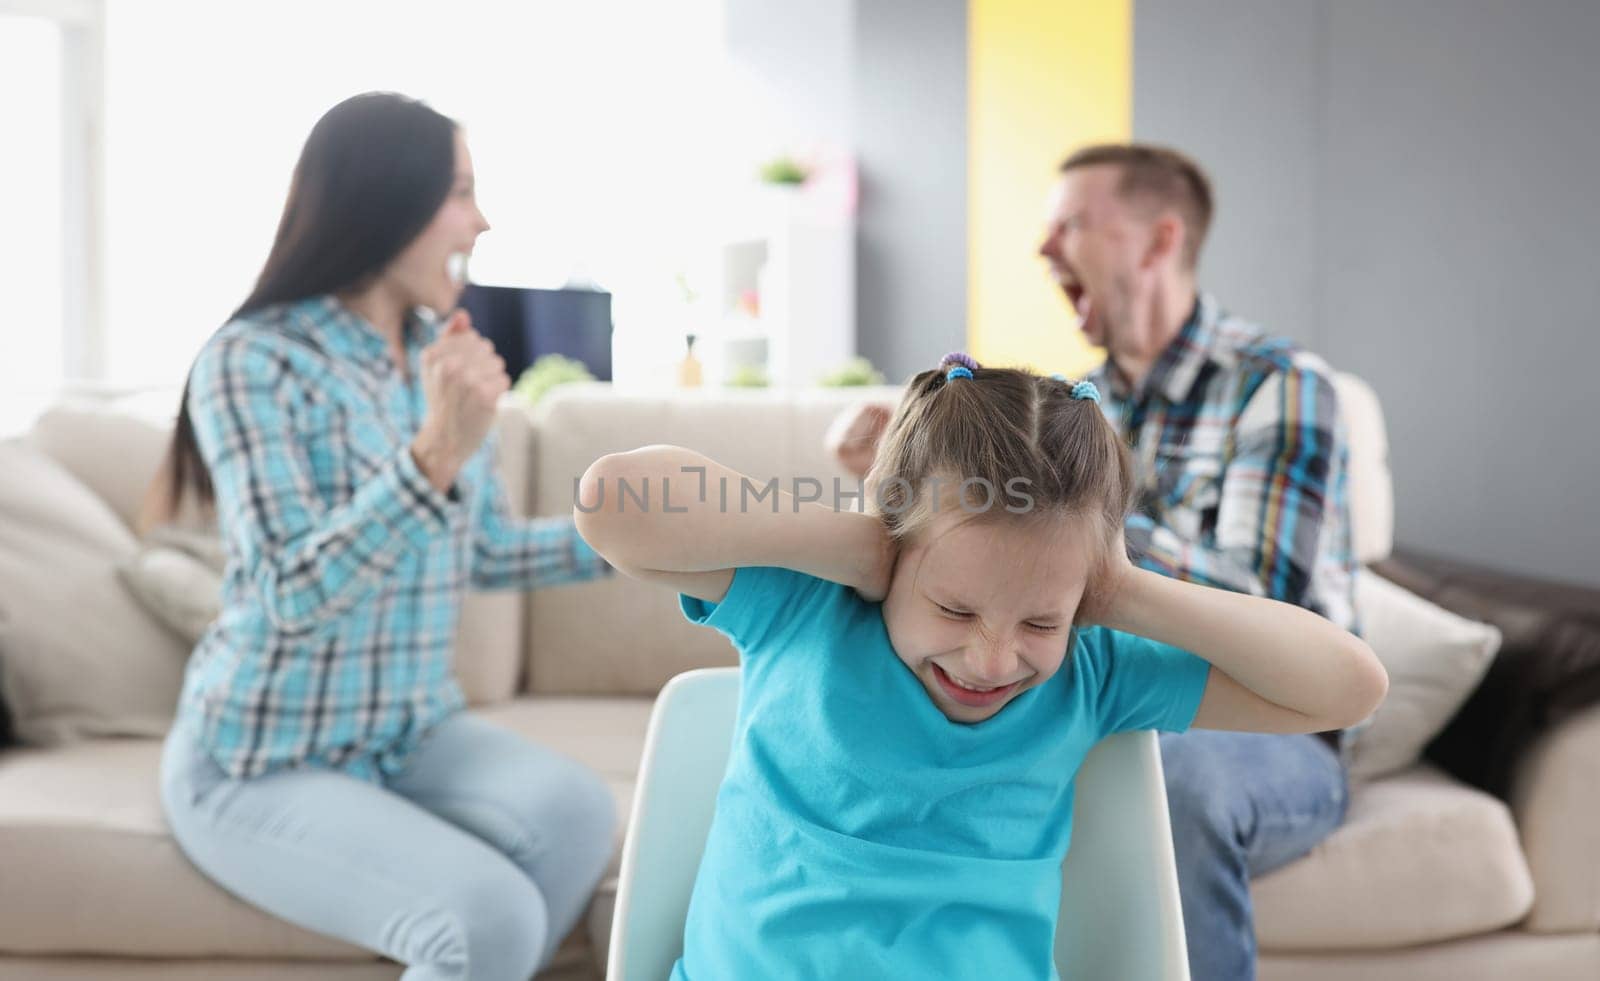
(1429, 879)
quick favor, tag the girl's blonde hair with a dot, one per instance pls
(998, 431)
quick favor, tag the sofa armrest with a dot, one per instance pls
(1555, 797)
(1530, 734)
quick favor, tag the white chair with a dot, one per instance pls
(1120, 916)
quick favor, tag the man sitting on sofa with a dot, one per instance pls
(1241, 459)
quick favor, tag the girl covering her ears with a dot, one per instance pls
(921, 682)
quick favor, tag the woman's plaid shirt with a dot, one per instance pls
(346, 567)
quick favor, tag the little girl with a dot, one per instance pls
(922, 680)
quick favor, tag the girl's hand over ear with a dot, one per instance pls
(876, 558)
(1106, 588)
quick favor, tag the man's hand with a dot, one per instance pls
(462, 381)
(853, 438)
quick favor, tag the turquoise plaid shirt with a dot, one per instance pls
(346, 567)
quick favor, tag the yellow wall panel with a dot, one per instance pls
(1044, 77)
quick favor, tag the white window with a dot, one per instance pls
(590, 125)
(50, 241)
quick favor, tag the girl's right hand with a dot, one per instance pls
(878, 555)
(462, 381)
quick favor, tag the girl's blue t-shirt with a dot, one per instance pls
(860, 833)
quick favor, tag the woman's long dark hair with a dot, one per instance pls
(373, 173)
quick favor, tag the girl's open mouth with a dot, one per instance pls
(972, 697)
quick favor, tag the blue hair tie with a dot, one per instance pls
(1086, 390)
(960, 365)
(1059, 377)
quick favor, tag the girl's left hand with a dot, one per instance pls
(1106, 586)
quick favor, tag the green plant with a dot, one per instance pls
(548, 372)
(784, 170)
(855, 372)
(748, 376)
(686, 292)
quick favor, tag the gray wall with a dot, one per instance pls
(888, 77)
(1234, 84)
(911, 141)
(791, 66)
(1408, 189)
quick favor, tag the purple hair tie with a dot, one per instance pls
(957, 357)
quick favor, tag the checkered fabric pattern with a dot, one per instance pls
(1243, 463)
(346, 568)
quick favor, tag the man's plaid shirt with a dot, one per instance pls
(346, 567)
(1243, 464)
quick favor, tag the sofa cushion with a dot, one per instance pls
(90, 867)
(1420, 858)
(643, 640)
(84, 846)
(1555, 801)
(1516, 954)
(1371, 485)
(114, 453)
(1547, 671)
(605, 734)
(78, 656)
(1434, 658)
(177, 576)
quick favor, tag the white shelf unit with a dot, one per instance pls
(800, 261)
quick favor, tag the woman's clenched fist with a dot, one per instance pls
(462, 381)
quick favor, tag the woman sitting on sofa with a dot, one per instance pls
(321, 766)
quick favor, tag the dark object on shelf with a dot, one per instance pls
(525, 324)
(7, 737)
(1547, 670)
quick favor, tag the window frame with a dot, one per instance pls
(83, 241)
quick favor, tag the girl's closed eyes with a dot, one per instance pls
(975, 605)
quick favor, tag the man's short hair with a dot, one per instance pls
(1161, 175)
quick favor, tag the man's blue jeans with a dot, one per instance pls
(1242, 805)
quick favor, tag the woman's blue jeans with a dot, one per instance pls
(473, 863)
(1242, 804)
